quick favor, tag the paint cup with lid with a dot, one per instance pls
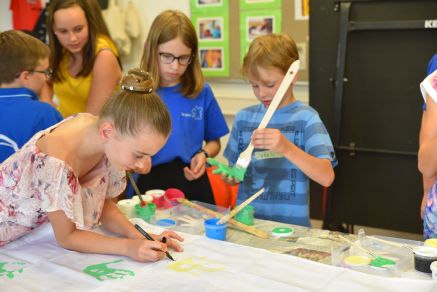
(423, 257)
(147, 212)
(158, 197)
(146, 198)
(245, 215)
(172, 197)
(214, 230)
(127, 207)
(433, 268)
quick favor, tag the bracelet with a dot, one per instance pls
(204, 152)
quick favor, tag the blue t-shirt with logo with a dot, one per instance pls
(194, 120)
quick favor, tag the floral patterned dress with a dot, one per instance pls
(33, 183)
(429, 87)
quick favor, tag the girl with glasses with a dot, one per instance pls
(171, 56)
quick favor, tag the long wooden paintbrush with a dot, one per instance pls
(246, 156)
(137, 191)
(237, 209)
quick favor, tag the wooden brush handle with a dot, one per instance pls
(285, 84)
(249, 229)
(239, 207)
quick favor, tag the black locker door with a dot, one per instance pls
(367, 59)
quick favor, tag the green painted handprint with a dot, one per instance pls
(102, 272)
(8, 269)
(235, 173)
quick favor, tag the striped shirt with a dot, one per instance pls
(287, 187)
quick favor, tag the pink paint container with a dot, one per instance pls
(172, 196)
(158, 197)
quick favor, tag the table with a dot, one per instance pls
(36, 262)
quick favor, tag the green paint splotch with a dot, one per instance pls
(196, 265)
(11, 269)
(103, 272)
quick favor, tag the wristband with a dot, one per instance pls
(204, 152)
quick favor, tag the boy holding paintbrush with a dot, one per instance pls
(294, 146)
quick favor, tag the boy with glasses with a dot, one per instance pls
(24, 70)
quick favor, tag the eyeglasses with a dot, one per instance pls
(167, 58)
(48, 73)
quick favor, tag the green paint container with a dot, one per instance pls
(147, 212)
(246, 214)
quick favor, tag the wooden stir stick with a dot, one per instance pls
(237, 209)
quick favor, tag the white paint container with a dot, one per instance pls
(146, 198)
(127, 207)
(434, 270)
(423, 257)
(158, 197)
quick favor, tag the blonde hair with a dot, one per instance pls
(19, 52)
(272, 50)
(167, 26)
(137, 106)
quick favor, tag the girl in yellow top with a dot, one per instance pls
(84, 59)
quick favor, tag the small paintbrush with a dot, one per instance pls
(137, 191)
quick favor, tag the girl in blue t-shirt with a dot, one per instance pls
(171, 56)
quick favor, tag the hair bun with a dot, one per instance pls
(137, 80)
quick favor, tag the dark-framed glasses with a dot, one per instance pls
(48, 73)
(168, 58)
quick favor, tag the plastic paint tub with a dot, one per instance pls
(127, 207)
(423, 257)
(432, 242)
(171, 197)
(158, 197)
(434, 270)
(146, 198)
(214, 230)
(166, 223)
(147, 212)
(282, 231)
(245, 216)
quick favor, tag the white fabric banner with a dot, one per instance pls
(36, 263)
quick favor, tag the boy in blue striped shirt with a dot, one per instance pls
(293, 148)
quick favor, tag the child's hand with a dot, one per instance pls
(171, 242)
(145, 250)
(197, 167)
(271, 139)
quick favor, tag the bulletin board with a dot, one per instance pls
(290, 16)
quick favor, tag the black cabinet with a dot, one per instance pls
(367, 59)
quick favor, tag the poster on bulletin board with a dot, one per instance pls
(260, 4)
(254, 23)
(207, 6)
(212, 28)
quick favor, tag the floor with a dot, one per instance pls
(377, 231)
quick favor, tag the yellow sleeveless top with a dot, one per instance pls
(72, 92)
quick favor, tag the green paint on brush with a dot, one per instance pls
(235, 173)
(102, 272)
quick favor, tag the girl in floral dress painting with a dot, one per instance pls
(69, 173)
